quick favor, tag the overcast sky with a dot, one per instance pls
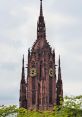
(18, 19)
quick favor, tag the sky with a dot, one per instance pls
(18, 27)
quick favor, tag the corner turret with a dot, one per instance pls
(59, 86)
(22, 99)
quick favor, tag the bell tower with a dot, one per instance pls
(41, 90)
(41, 70)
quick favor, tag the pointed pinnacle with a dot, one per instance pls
(23, 61)
(41, 11)
(59, 69)
(59, 60)
(23, 74)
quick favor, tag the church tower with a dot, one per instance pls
(40, 90)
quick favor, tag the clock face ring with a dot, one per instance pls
(51, 72)
(33, 72)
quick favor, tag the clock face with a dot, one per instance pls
(51, 72)
(33, 72)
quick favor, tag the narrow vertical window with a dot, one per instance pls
(40, 70)
(33, 91)
(50, 90)
(39, 96)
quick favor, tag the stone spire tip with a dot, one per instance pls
(41, 11)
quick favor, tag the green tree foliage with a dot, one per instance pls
(71, 107)
(6, 111)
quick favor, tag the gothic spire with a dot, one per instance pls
(22, 99)
(41, 11)
(23, 73)
(41, 30)
(59, 61)
(59, 69)
(59, 85)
